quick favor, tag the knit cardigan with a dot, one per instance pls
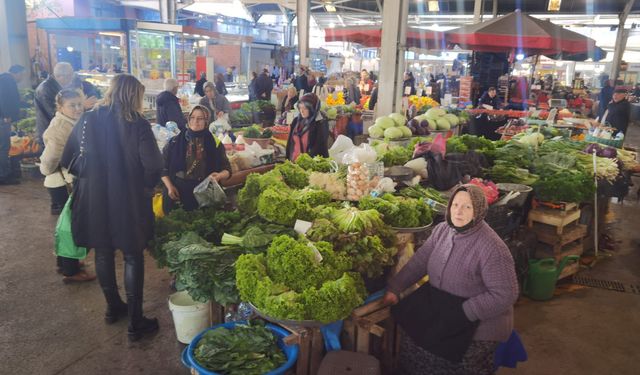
(475, 265)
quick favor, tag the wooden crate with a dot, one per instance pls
(557, 218)
(371, 330)
(311, 348)
(548, 234)
(216, 313)
(574, 248)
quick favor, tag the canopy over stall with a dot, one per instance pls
(371, 37)
(525, 35)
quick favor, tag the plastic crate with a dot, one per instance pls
(617, 143)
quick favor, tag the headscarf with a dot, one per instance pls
(312, 102)
(207, 114)
(478, 201)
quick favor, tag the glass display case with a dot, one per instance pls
(153, 58)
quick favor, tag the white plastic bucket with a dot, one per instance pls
(189, 317)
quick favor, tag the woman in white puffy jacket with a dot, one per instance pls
(70, 106)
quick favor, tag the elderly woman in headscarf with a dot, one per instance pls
(190, 157)
(471, 291)
(309, 131)
(218, 105)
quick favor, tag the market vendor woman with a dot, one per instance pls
(309, 131)
(468, 262)
(190, 157)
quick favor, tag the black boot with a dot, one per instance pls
(115, 312)
(106, 272)
(139, 325)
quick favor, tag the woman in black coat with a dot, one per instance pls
(190, 157)
(111, 201)
(309, 131)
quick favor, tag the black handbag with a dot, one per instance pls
(78, 162)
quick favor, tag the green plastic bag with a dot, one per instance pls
(65, 246)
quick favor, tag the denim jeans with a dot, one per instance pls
(5, 144)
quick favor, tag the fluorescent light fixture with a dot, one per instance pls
(206, 36)
(520, 57)
(433, 6)
(70, 49)
(554, 5)
(196, 35)
(329, 8)
(105, 33)
(114, 47)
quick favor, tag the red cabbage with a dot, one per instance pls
(608, 152)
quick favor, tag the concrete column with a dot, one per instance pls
(477, 11)
(402, 49)
(621, 40)
(570, 73)
(495, 8)
(391, 21)
(14, 42)
(302, 15)
(167, 11)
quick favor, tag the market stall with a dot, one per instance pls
(307, 244)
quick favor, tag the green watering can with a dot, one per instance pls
(543, 274)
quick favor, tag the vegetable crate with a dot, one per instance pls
(557, 218)
(372, 330)
(554, 245)
(216, 313)
(311, 346)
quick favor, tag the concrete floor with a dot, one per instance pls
(47, 327)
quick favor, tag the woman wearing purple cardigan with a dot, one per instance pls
(471, 291)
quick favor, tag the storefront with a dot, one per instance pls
(100, 48)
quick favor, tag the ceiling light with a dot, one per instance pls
(520, 57)
(329, 8)
(70, 49)
(433, 6)
(332, 25)
(554, 5)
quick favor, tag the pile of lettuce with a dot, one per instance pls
(283, 178)
(399, 212)
(300, 280)
(360, 234)
(314, 164)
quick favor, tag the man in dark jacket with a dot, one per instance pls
(9, 113)
(618, 111)
(168, 105)
(263, 86)
(200, 84)
(489, 98)
(302, 82)
(45, 95)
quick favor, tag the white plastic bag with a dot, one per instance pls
(163, 134)
(220, 126)
(209, 193)
(341, 145)
(361, 154)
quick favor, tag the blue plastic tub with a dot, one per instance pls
(290, 351)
